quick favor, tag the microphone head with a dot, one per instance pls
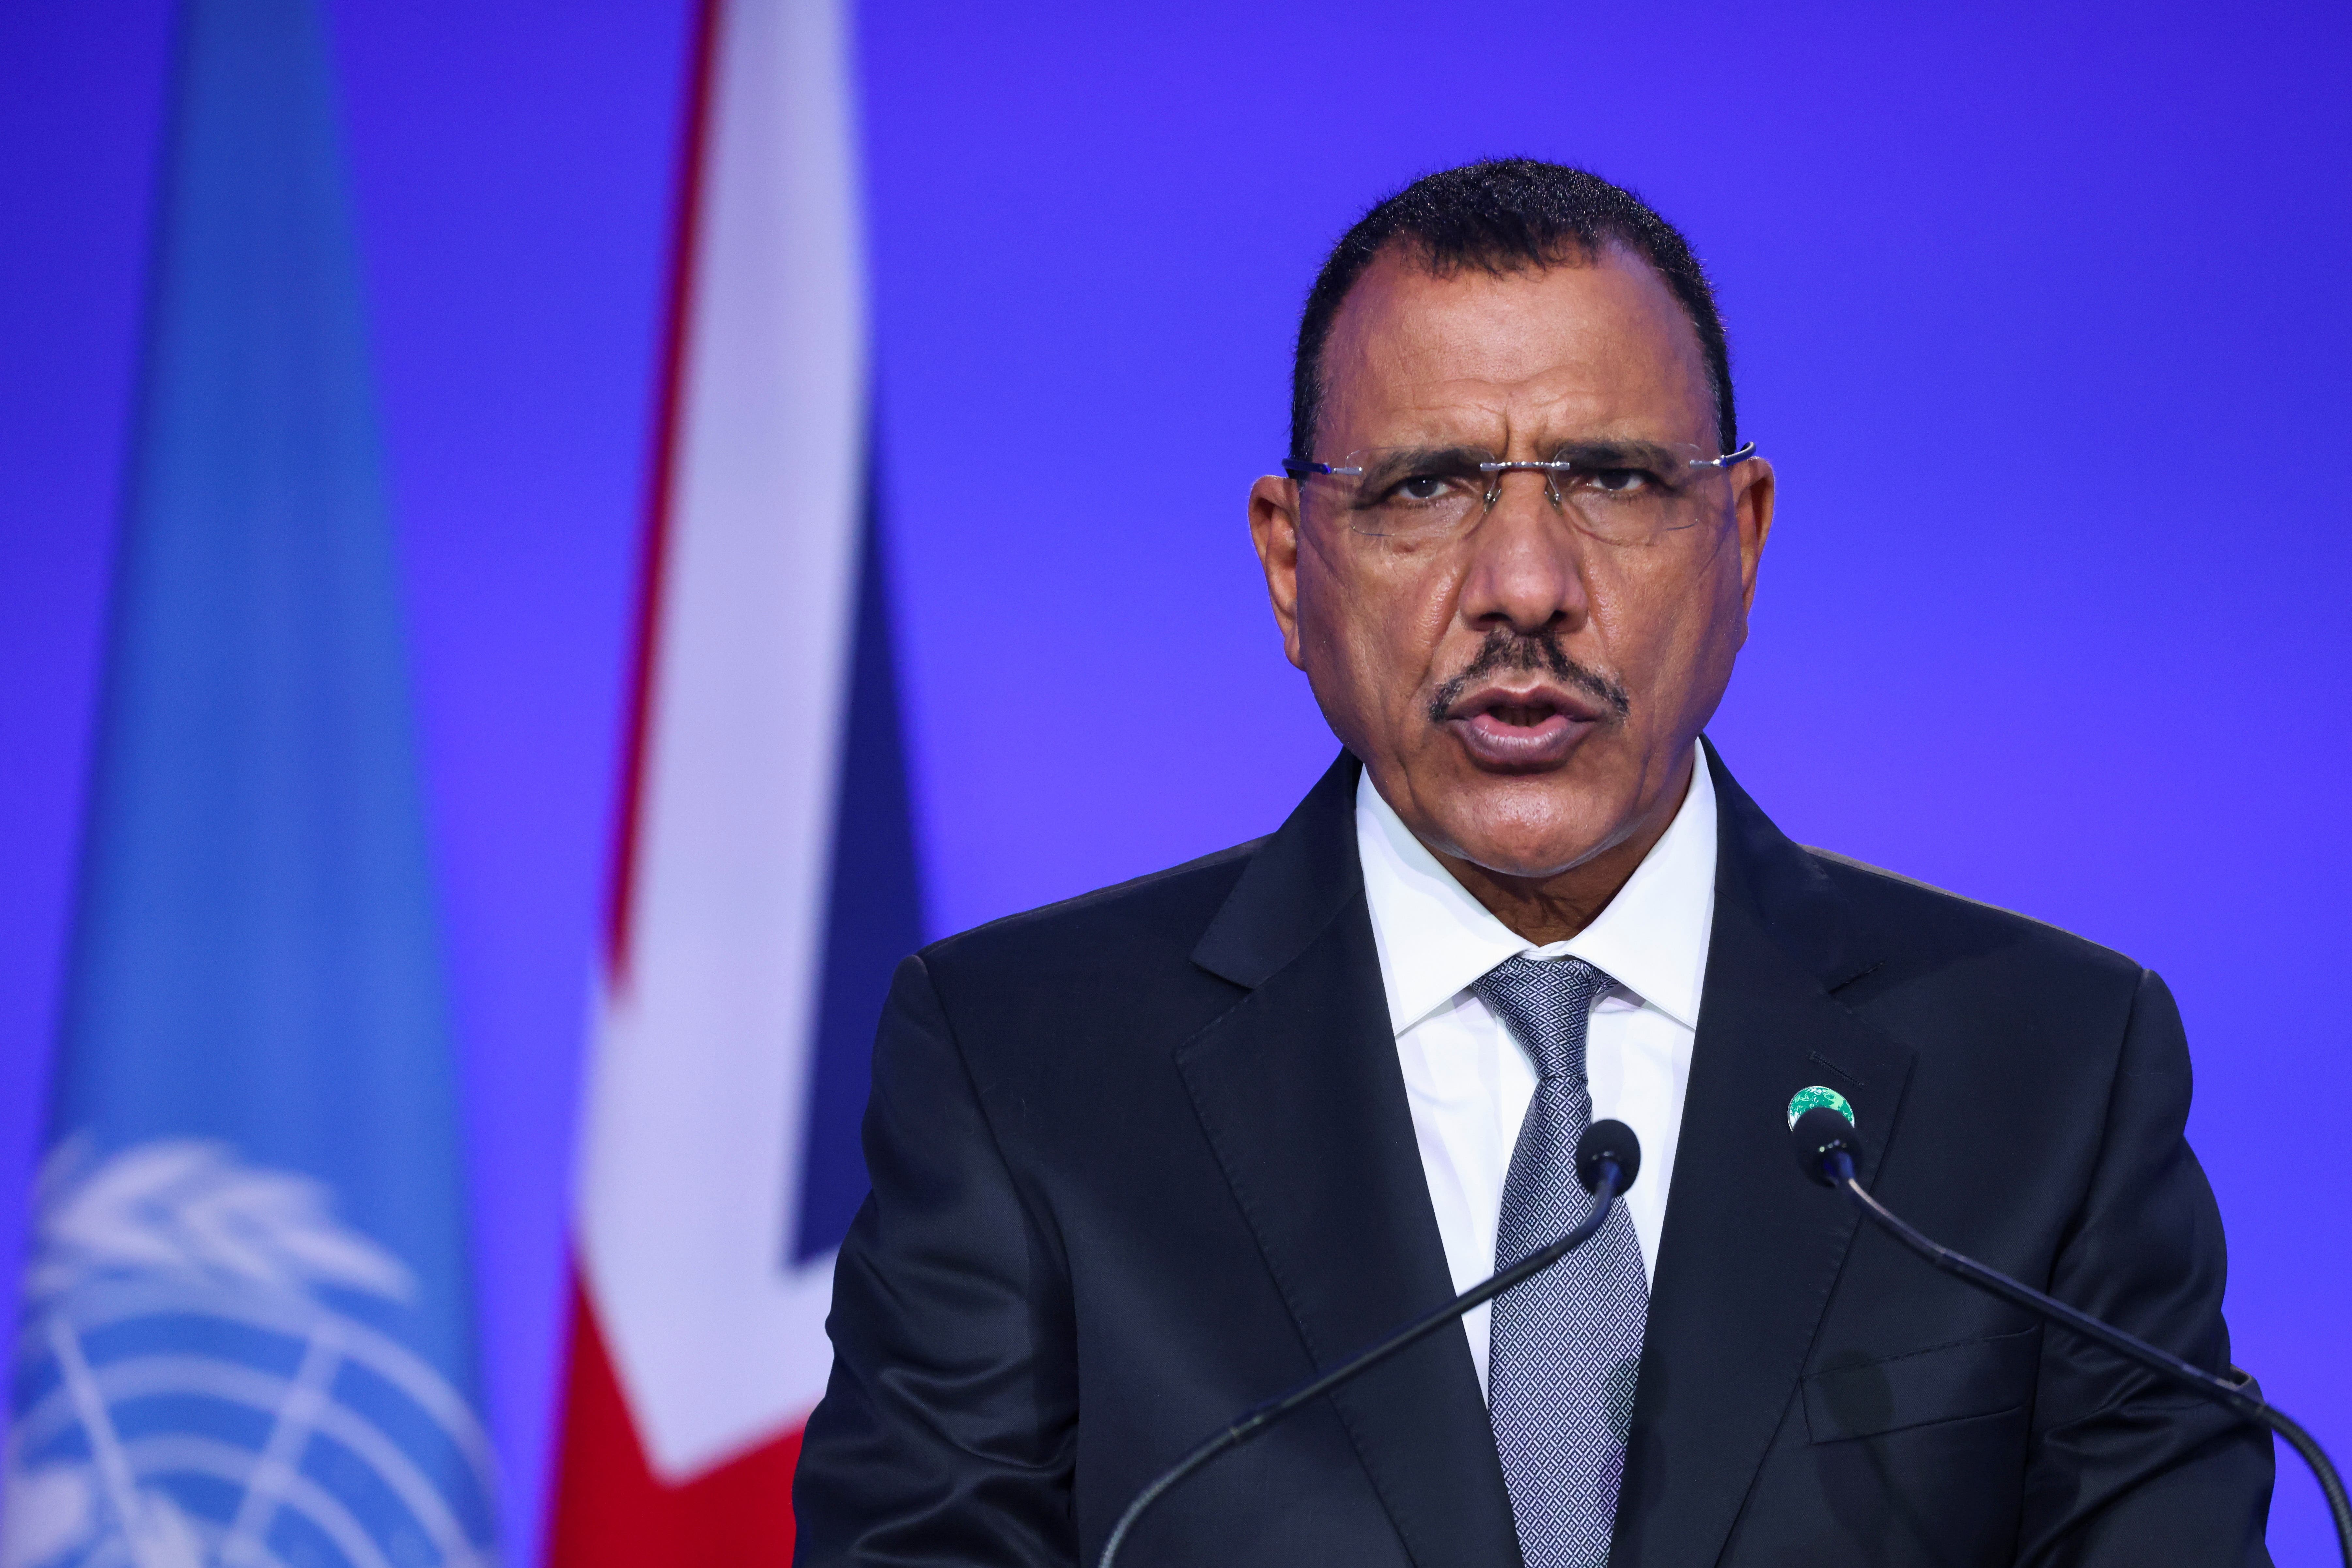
(1608, 1141)
(1820, 1132)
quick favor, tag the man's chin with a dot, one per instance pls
(1524, 865)
(1529, 844)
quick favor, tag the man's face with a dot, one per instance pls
(1524, 693)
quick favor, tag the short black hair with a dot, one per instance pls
(1500, 215)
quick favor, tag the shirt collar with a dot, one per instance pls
(1436, 939)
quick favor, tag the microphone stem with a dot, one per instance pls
(1253, 1422)
(2221, 1390)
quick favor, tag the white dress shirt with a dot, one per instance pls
(1469, 1081)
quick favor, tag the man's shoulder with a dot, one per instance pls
(1916, 921)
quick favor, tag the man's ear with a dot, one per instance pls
(1751, 515)
(1273, 529)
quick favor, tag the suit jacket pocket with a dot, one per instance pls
(1949, 1382)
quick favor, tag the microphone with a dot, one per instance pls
(1829, 1147)
(1608, 1158)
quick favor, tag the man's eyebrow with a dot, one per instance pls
(1627, 454)
(1392, 457)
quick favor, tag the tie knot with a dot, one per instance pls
(1546, 1004)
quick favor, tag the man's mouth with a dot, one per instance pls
(1523, 704)
(1521, 715)
(1517, 726)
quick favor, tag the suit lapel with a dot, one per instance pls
(1301, 1092)
(1752, 1248)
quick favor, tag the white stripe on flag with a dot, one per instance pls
(692, 1157)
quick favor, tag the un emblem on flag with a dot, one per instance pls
(205, 1378)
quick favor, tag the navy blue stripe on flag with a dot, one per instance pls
(874, 906)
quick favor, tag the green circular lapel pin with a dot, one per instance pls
(1820, 1094)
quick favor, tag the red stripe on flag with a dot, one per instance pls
(611, 1511)
(678, 319)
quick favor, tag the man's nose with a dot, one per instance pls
(1525, 569)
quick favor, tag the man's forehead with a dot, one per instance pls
(1573, 346)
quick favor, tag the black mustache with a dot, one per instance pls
(1512, 650)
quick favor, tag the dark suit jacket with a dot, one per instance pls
(1144, 1159)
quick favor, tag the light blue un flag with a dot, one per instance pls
(245, 1340)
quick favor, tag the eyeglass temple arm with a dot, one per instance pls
(1299, 468)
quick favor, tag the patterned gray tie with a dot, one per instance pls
(1566, 1346)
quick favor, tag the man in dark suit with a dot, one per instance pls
(1145, 1159)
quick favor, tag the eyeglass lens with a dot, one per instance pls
(1624, 493)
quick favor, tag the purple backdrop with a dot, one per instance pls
(2042, 313)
